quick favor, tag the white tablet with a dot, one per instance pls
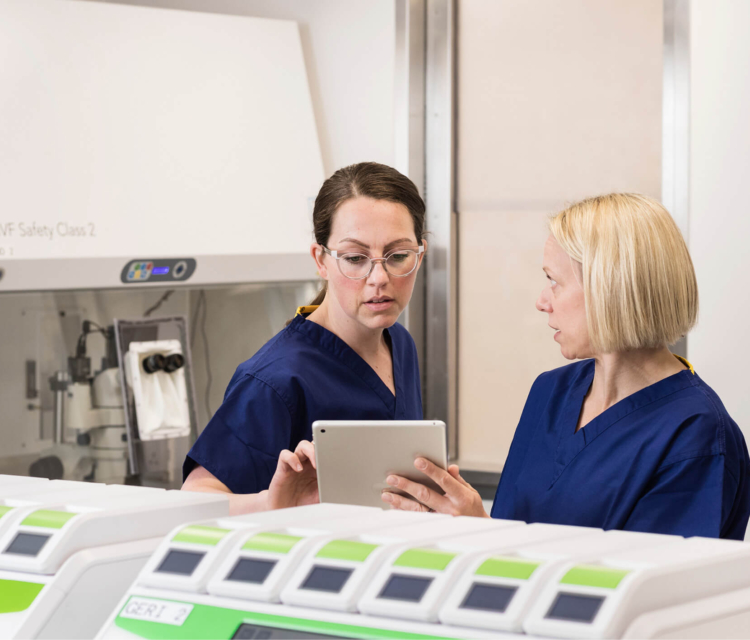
(354, 457)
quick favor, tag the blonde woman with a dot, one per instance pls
(630, 436)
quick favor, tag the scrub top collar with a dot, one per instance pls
(329, 341)
(572, 442)
(685, 362)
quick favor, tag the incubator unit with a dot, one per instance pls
(16, 500)
(260, 564)
(19, 481)
(186, 560)
(414, 580)
(67, 556)
(224, 576)
(496, 589)
(337, 570)
(723, 616)
(602, 598)
(178, 598)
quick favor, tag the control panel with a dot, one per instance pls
(157, 270)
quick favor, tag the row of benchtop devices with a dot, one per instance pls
(77, 558)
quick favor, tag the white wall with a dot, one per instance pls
(130, 114)
(349, 52)
(556, 101)
(719, 219)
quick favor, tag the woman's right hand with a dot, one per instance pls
(295, 482)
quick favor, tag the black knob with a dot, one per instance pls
(83, 439)
(48, 467)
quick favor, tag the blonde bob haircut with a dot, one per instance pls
(638, 280)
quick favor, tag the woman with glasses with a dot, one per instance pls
(630, 436)
(342, 357)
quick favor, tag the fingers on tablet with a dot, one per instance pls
(445, 480)
(400, 502)
(291, 460)
(306, 451)
(421, 493)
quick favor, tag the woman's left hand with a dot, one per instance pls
(295, 482)
(460, 499)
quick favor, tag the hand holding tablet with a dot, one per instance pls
(354, 458)
(455, 498)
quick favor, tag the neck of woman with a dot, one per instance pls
(619, 375)
(365, 342)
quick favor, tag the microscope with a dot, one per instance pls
(92, 407)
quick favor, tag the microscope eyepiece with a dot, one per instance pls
(159, 362)
(174, 361)
(153, 363)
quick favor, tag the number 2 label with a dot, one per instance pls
(152, 610)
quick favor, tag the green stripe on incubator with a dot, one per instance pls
(347, 550)
(272, 542)
(16, 595)
(48, 518)
(507, 567)
(200, 534)
(4, 510)
(590, 575)
(433, 559)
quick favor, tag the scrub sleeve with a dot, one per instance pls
(238, 446)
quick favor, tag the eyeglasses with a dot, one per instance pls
(356, 266)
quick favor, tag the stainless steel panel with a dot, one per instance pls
(409, 126)
(440, 271)
(676, 121)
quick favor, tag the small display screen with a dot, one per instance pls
(574, 607)
(251, 570)
(409, 588)
(27, 544)
(328, 579)
(180, 562)
(160, 271)
(258, 632)
(489, 597)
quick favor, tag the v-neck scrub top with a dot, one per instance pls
(667, 459)
(304, 373)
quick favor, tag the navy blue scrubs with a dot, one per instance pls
(304, 373)
(667, 459)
